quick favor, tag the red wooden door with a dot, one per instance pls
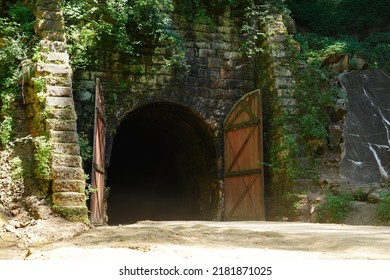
(98, 166)
(243, 162)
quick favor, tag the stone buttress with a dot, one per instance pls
(67, 177)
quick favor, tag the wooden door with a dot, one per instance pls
(243, 160)
(98, 161)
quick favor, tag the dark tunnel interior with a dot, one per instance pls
(162, 166)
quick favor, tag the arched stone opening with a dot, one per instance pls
(162, 166)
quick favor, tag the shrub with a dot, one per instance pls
(334, 208)
(384, 207)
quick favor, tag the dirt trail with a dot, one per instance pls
(220, 240)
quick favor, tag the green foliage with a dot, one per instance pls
(85, 147)
(384, 207)
(17, 169)
(344, 27)
(42, 158)
(16, 42)
(375, 48)
(334, 208)
(203, 11)
(337, 17)
(127, 27)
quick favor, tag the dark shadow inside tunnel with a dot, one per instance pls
(162, 166)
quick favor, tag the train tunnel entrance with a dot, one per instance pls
(162, 166)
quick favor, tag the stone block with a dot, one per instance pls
(64, 136)
(56, 57)
(281, 38)
(278, 53)
(222, 46)
(47, 24)
(283, 82)
(48, 4)
(215, 62)
(203, 45)
(59, 91)
(50, 15)
(52, 35)
(283, 72)
(68, 198)
(206, 52)
(66, 148)
(68, 186)
(66, 160)
(67, 173)
(72, 213)
(216, 37)
(288, 102)
(66, 113)
(225, 30)
(64, 81)
(55, 69)
(200, 27)
(52, 101)
(53, 46)
(61, 125)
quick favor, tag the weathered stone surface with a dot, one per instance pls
(358, 63)
(340, 66)
(56, 57)
(376, 196)
(338, 112)
(50, 15)
(66, 148)
(366, 128)
(52, 35)
(66, 160)
(72, 213)
(362, 213)
(60, 102)
(62, 113)
(30, 96)
(68, 186)
(48, 5)
(56, 69)
(32, 110)
(59, 91)
(47, 24)
(64, 136)
(64, 81)
(360, 192)
(67, 173)
(68, 198)
(335, 134)
(60, 125)
(52, 46)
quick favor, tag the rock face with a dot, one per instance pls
(365, 154)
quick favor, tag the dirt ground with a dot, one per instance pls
(183, 240)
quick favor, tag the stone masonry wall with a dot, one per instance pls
(52, 112)
(217, 76)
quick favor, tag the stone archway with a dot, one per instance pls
(162, 167)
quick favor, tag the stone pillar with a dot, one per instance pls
(67, 179)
